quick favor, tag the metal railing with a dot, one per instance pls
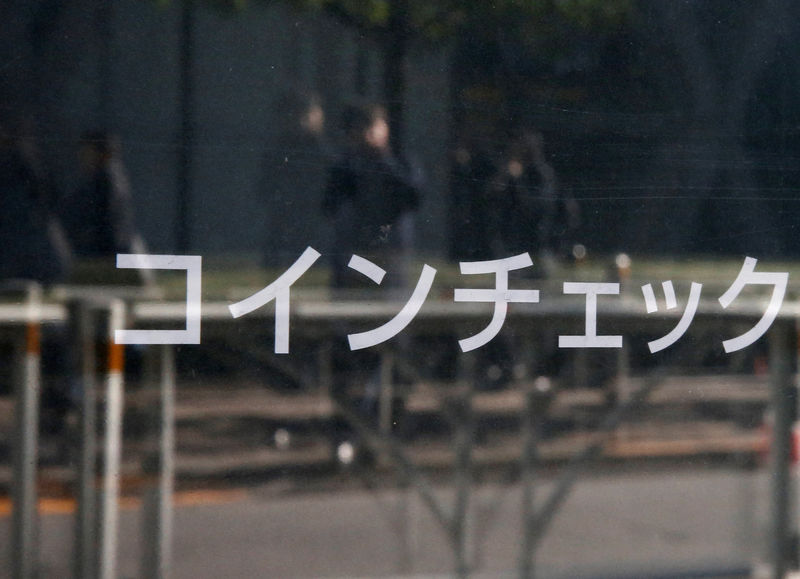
(95, 556)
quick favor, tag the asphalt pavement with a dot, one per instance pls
(672, 522)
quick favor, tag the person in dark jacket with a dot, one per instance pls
(99, 214)
(295, 168)
(34, 245)
(35, 248)
(531, 212)
(370, 196)
(470, 209)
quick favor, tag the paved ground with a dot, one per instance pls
(621, 524)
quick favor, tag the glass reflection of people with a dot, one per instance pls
(35, 248)
(371, 196)
(295, 167)
(532, 213)
(470, 208)
(33, 241)
(100, 215)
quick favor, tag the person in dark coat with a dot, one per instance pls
(370, 196)
(35, 248)
(99, 214)
(34, 245)
(531, 212)
(470, 207)
(295, 168)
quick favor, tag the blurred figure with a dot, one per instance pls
(294, 177)
(99, 214)
(470, 208)
(531, 213)
(34, 247)
(33, 241)
(370, 197)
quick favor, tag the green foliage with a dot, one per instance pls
(442, 19)
(595, 13)
(364, 13)
(224, 6)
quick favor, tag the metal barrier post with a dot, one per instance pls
(464, 439)
(780, 357)
(112, 445)
(622, 386)
(537, 398)
(82, 342)
(158, 505)
(24, 554)
(386, 394)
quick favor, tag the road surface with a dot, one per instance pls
(617, 524)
